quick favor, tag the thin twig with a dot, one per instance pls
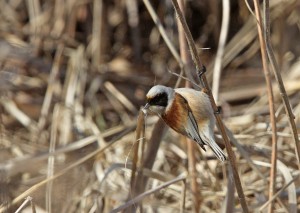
(11, 107)
(228, 205)
(139, 137)
(97, 32)
(33, 209)
(120, 97)
(182, 203)
(51, 159)
(26, 201)
(276, 70)
(221, 46)
(185, 78)
(270, 100)
(142, 196)
(163, 32)
(246, 35)
(150, 155)
(186, 59)
(278, 193)
(199, 67)
(167, 40)
(51, 84)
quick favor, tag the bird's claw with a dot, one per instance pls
(219, 110)
(202, 71)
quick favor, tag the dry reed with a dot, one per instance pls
(74, 74)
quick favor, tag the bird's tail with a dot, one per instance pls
(217, 150)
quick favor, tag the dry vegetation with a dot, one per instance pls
(74, 75)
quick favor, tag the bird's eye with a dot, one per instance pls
(159, 100)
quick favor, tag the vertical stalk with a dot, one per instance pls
(97, 33)
(199, 67)
(271, 102)
(276, 70)
(140, 135)
(221, 47)
(187, 61)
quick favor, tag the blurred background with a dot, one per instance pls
(74, 74)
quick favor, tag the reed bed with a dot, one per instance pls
(74, 75)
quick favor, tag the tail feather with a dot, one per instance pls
(217, 150)
(201, 144)
(208, 136)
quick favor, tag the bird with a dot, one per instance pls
(187, 111)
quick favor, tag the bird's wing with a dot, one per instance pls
(191, 127)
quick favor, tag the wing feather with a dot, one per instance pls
(192, 128)
(204, 135)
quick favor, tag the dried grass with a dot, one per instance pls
(73, 76)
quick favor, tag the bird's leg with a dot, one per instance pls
(202, 71)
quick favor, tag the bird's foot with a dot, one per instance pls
(202, 71)
(219, 110)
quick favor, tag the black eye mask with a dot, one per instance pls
(160, 99)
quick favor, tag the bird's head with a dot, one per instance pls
(159, 98)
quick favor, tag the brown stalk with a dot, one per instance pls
(160, 127)
(139, 136)
(138, 198)
(97, 33)
(149, 156)
(51, 84)
(228, 205)
(196, 193)
(278, 193)
(25, 203)
(270, 101)
(182, 204)
(276, 70)
(51, 159)
(221, 47)
(199, 67)
(187, 61)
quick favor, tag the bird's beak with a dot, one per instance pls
(146, 106)
(145, 109)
